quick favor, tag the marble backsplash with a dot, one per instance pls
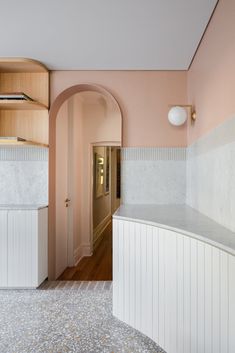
(211, 174)
(202, 175)
(23, 175)
(153, 175)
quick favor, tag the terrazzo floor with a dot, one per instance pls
(66, 317)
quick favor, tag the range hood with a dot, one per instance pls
(18, 141)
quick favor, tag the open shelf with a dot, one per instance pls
(14, 65)
(5, 142)
(21, 105)
(26, 118)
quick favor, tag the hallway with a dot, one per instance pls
(97, 267)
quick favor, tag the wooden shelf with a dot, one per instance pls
(25, 118)
(21, 105)
(14, 65)
(21, 143)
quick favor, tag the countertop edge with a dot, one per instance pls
(22, 207)
(202, 238)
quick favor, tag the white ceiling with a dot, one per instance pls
(104, 34)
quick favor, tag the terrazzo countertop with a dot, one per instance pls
(182, 219)
(22, 207)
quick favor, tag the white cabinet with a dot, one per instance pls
(177, 290)
(3, 248)
(23, 243)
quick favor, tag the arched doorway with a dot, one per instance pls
(60, 100)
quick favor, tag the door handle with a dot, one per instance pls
(67, 202)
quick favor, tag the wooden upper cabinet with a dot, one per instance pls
(26, 119)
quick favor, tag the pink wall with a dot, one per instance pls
(211, 78)
(144, 97)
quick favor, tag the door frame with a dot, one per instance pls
(91, 187)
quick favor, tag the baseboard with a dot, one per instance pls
(99, 230)
(80, 252)
(86, 249)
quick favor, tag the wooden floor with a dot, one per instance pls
(97, 267)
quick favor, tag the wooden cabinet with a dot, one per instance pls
(26, 119)
(23, 248)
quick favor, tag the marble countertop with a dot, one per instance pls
(182, 219)
(22, 207)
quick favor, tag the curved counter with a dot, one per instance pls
(182, 219)
(174, 277)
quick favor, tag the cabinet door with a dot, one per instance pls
(22, 248)
(42, 245)
(3, 248)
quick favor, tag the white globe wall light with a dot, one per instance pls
(177, 115)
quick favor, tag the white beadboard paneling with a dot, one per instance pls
(132, 259)
(138, 262)
(187, 296)
(182, 289)
(149, 281)
(201, 297)
(3, 248)
(180, 293)
(143, 274)
(170, 290)
(116, 267)
(216, 300)
(121, 269)
(22, 248)
(126, 266)
(162, 288)
(194, 288)
(42, 245)
(224, 290)
(231, 301)
(208, 298)
(156, 289)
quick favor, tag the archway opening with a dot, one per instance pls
(85, 129)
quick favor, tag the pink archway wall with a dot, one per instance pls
(60, 99)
